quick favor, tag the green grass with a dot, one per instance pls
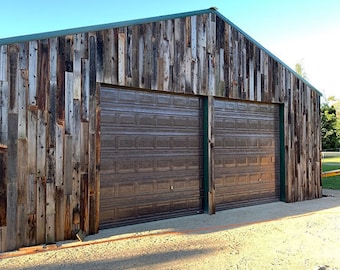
(330, 164)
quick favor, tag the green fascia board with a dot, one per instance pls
(52, 34)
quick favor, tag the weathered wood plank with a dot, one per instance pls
(41, 176)
(43, 76)
(110, 65)
(60, 213)
(59, 153)
(77, 61)
(92, 64)
(61, 68)
(4, 112)
(22, 182)
(69, 83)
(3, 239)
(3, 63)
(12, 191)
(50, 212)
(68, 168)
(53, 45)
(84, 208)
(3, 189)
(69, 51)
(13, 58)
(85, 90)
(76, 139)
(32, 160)
(67, 218)
(84, 147)
(92, 166)
(22, 106)
(121, 56)
(32, 73)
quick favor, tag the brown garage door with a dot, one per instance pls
(246, 153)
(151, 156)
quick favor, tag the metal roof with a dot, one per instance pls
(52, 34)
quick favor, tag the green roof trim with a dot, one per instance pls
(52, 34)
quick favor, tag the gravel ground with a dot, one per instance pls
(303, 235)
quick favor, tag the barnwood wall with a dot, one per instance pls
(50, 112)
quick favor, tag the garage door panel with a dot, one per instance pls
(151, 155)
(246, 153)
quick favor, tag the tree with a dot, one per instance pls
(300, 70)
(329, 132)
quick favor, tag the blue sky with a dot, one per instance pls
(305, 31)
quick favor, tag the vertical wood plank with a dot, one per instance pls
(3, 63)
(32, 73)
(61, 68)
(68, 169)
(3, 239)
(13, 58)
(22, 106)
(3, 189)
(121, 56)
(43, 74)
(92, 65)
(60, 213)
(69, 83)
(41, 176)
(50, 212)
(77, 61)
(22, 235)
(85, 90)
(59, 153)
(84, 198)
(4, 112)
(12, 184)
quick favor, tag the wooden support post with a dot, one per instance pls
(208, 141)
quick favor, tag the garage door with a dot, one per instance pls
(151, 156)
(246, 153)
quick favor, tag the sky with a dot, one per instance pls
(296, 31)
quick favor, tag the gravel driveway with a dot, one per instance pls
(303, 235)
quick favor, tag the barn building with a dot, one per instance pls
(134, 121)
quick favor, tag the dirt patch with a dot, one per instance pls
(303, 235)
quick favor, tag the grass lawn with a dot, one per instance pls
(330, 164)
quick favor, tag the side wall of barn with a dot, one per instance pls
(50, 113)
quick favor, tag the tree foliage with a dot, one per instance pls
(329, 128)
(300, 70)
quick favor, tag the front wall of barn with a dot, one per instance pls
(52, 95)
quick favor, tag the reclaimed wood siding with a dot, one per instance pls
(50, 112)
